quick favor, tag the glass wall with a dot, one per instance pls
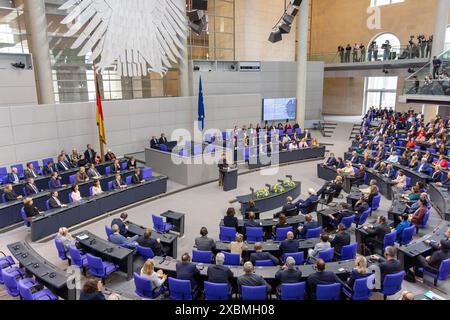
(380, 92)
(13, 36)
(216, 42)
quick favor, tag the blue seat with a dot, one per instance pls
(281, 233)
(216, 291)
(227, 234)
(293, 291)
(100, 268)
(327, 255)
(299, 257)
(362, 289)
(124, 165)
(36, 167)
(180, 289)
(46, 161)
(254, 293)
(77, 259)
(91, 191)
(3, 174)
(143, 287)
(392, 283)
(443, 272)
(313, 233)
(10, 277)
(408, 183)
(254, 234)
(5, 262)
(407, 235)
(24, 217)
(19, 168)
(3, 198)
(363, 217)
(61, 250)
(110, 185)
(163, 147)
(108, 231)
(426, 217)
(202, 256)
(25, 289)
(24, 192)
(144, 252)
(160, 225)
(107, 170)
(147, 173)
(232, 259)
(328, 291)
(376, 202)
(347, 221)
(389, 239)
(47, 204)
(128, 180)
(72, 179)
(348, 252)
(264, 263)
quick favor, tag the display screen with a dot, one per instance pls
(279, 109)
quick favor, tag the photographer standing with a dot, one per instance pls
(387, 50)
(429, 46)
(422, 45)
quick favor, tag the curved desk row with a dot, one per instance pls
(440, 200)
(273, 201)
(255, 161)
(47, 274)
(268, 224)
(90, 207)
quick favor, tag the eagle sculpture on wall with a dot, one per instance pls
(139, 36)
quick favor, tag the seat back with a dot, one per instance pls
(232, 259)
(408, 182)
(254, 293)
(108, 231)
(3, 198)
(147, 173)
(36, 166)
(291, 212)
(327, 255)
(376, 202)
(143, 286)
(144, 252)
(328, 291)
(91, 191)
(216, 291)
(362, 289)
(19, 168)
(227, 234)
(46, 161)
(24, 192)
(281, 233)
(393, 283)
(389, 239)
(10, 277)
(312, 207)
(202, 256)
(444, 270)
(47, 204)
(95, 265)
(348, 252)
(24, 287)
(158, 223)
(107, 170)
(254, 234)
(24, 217)
(299, 257)
(163, 147)
(61, 250)
(313, 233)
(363, 217)
(110, 185)
(293, 291)
(128, 180)
(72, 179)
(426, 217)
(75, 256)
(180, 289)
(407, 235)
(347, 221)
(264, 263)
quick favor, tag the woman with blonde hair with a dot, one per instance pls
(157, 279)
(238, 246)
(360, 271)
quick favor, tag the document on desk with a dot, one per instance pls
(82, 237)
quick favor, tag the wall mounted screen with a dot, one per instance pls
(279, 109)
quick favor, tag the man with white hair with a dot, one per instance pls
(250, 278)
(289, 273)
(305, 205)
(120, 240)
(219, 273)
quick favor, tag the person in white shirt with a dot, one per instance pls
(348, 170)
(97, 188)
(75, 194)
(157, 279)
(393, 158)
(400, 181)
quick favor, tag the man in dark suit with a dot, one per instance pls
(54, 201)
(251, 221)
(424, 166)
(306, 205)
(389, 265)
(203, 243)
(289, 209)
(360, 206)
(354, 158)
(260, 255)
(62, 164)
(13, 177)
(49, 168)
(136, 178)
(163, 139)
(115, 167)
(331, 188)
(309, 224)
(30, 172)
(446, 182)
(251, 279)
(320, 277)
(154, 143)
(89, 154)
(187, 270)
(289, 273)
(218, 273)
(390, 172)
(120, 222)
(148, 242)
(433, 262)
(290, 245)
(331, 161)
(376, 233)
(31, 188)
(121, 240)
(437, 245)
(10, 194)
(93, 172)
(118, 183)
(342, 238)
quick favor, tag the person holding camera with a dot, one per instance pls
(387, 50)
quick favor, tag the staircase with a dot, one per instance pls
(328, 129)
(355, 131)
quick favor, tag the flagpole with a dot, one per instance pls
(100, 140)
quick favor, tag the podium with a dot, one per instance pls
(230, 178)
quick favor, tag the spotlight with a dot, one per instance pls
(275, 36)
(200, 5)
(196, 20)
(18, 65)
(284, 25)
(296, 3)
(284, 28)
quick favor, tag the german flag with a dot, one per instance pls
(100, 119)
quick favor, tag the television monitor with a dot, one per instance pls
(279, 109)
